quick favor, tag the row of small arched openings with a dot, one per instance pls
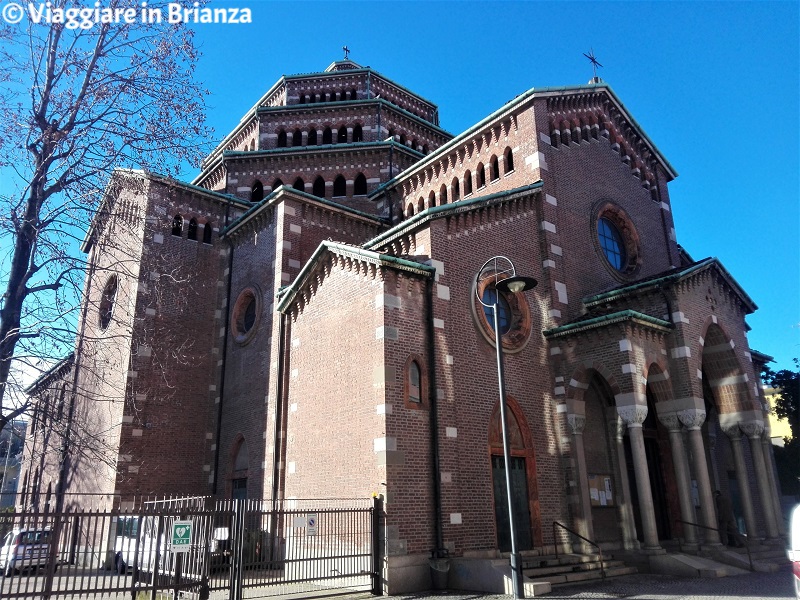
(193, 229)
(413, 144)
(317, 188)
(455, 185)
(313, 137)
(329, 97)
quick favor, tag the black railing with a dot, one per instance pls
(746, 542)
(587, 540)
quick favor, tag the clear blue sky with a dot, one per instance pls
(714, 84)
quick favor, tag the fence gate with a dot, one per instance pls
(230, 550)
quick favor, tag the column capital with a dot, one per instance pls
(670, 421)
(633, 415)
(752, 429)
(692, 418)
(732, 431)
(576, 423)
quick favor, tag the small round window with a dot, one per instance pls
(611, 243)
(617, 240)
(107, 302)
(245, 316)
(513, 315)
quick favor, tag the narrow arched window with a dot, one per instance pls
(403, 139)
(443, 195)
(192, 234)
(410, 210)
(302, 98)
(208, 230)
(312, 136)
(414, 380)
(494, 169)
(360, 185)
(177, 226)
(281, 139)
(432, 199)
(312, 98)
(339, 186)
(358, 133)
(319, 187)
(327, 136)
(425, 148)
(414, 144)
(509, 160)
(353, 94)
(481, 173)
(420, 204)
(299, 184)
(276, 184)
(391, 134)
(467, 183)
(297, 138)
(342, 137)
(456, 191)
(257, 191)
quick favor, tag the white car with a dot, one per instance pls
(24, 548)
(794, 548)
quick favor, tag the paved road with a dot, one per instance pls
(752, 586)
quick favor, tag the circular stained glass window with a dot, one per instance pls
(245, 315)
(490, 296)
(612, 244)
(513, 315)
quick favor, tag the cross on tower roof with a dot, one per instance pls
(593, 59)
(346, 52)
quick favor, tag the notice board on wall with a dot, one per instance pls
(601, 491)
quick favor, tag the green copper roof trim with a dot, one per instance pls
(617, 317)
(325, 148)
(597, 299)
(761, 357)
(515, 103)
(267, 200)
(437, 212)
(361, 102)
(287, 294)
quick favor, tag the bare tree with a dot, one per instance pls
(76, 104)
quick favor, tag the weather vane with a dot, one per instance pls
(593, 59)
(346, 52)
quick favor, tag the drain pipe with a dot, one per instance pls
(276, 440)
(439, 551)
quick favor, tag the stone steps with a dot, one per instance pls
(572, 568)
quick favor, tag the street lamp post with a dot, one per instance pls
(505, 280)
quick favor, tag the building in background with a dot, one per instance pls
(302, 321)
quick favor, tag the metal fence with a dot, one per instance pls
(193, 549)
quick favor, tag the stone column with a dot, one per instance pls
(624, 499)
(693, 419)
(735, 435)
(682, 477)
(753, 430)
(576, 425)
(766, 444)
(634, 415)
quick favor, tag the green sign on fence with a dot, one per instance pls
(181, 536)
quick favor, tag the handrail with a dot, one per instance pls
(746, 541)
(588, 541)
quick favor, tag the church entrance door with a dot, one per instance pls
(520, 505)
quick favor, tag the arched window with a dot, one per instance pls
(420, 204)
(177, 226)
(358, 133)
(319, 187)
(327, 136)
(257, 191)
(467, 183)
(432, 199)
(509, 160)
(425, 148)
(360, 185)
(297, 138)
(391, 133)
(410, 209)
(281, 139)
(494, 169)
(208, 230)
(339, 186)
(456, 189)
(192, 234)
(302, 98)
(415, 384)
(481, 173)
(299, 184)
(312, 136)
(443, 195)
(342, 137)
(312, 98)
(413, 380)
(414, 144)
(403, 139)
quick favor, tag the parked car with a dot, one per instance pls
(794, 548)
(24, 548)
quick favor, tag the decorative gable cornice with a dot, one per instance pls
(632, 316)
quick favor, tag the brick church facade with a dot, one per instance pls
(301, 321)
